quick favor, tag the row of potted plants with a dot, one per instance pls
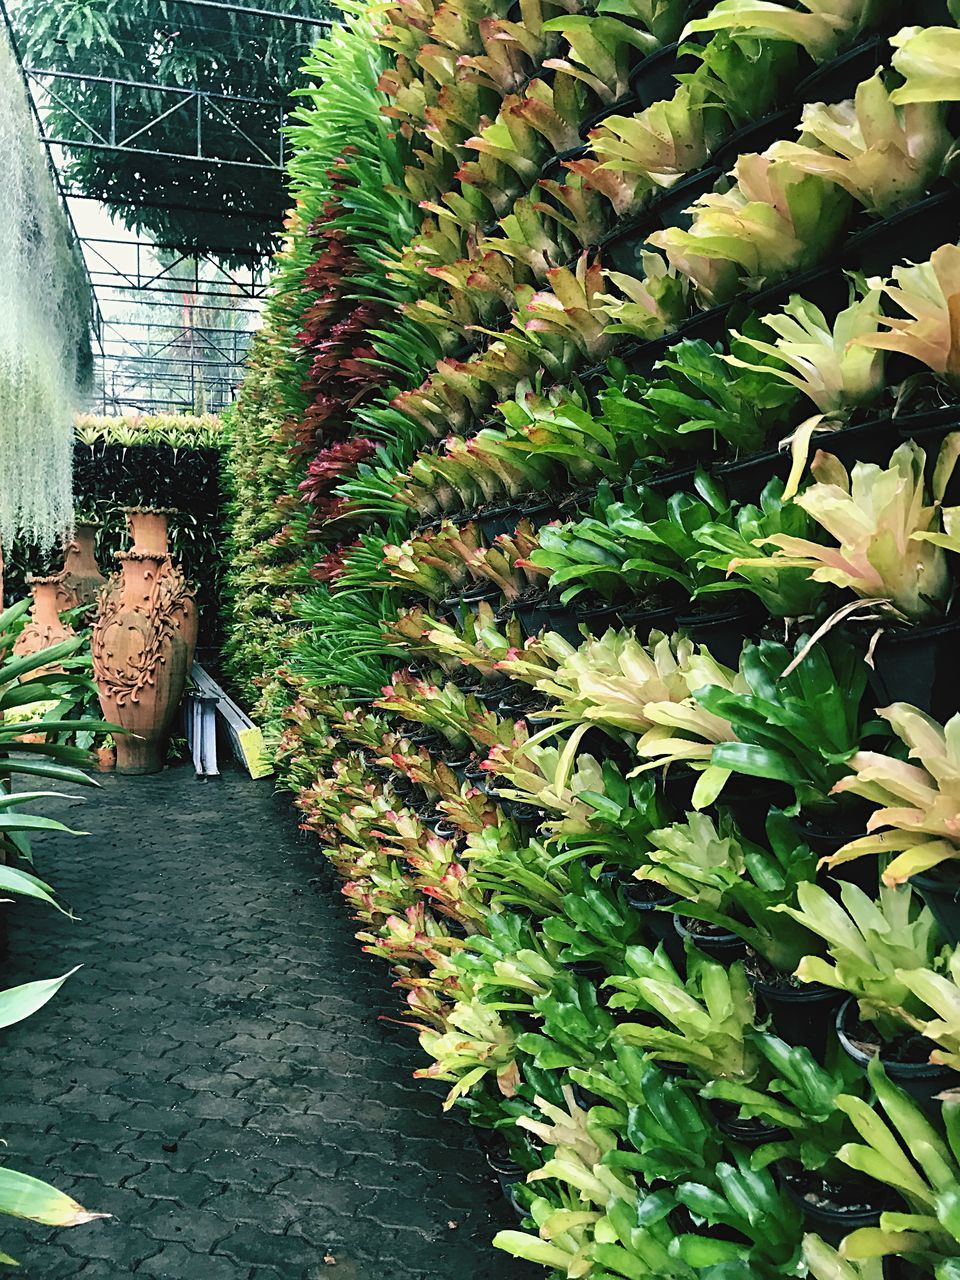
(671, 909)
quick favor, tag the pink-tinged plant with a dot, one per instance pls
(877, 516)
(774, 221)
(573, 310)
(918, 813)
(885, 156)
(929, 295)
(661, 144)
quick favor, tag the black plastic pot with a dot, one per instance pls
(593, 970)
(919, 665)
(874, 441)
(658, 923)
(751, 799)
(670, 208)
(626, 105)
(668, 482)
(918, 230)
(563, 620)
(921, 1080)
(710, 325)
(497, 520)
(833, 1221)
(653, 78)
(646, 620)
(825, 286)
(723, 633)
(838, 79)
(598, 618)
(725, 948)
(480, 591)
(825, 838)
(509, 1175)
(532, 618)
(940, 890)
(801, 1015)
(756, 136)
(749, 1133)
(553, 168)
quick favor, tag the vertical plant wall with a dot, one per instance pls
(594, 551)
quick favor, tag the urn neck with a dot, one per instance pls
(45, 611)
(149, 530)
(80, 557)
(140, 570)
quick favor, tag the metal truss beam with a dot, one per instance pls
(146, 275)
(201, 105)
(301, 19)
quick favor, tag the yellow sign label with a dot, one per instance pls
(254, 757)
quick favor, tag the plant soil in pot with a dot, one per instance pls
(803, 1013)
(940, 890)
(919, 665)
(906, 1060)
(725, 948)
(834, 1209)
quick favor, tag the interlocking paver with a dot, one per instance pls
(224, 1008)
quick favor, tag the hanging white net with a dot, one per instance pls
(44, 330)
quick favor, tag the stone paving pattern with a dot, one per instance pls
(217, 1075)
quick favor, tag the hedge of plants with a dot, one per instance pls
(593, 556)
(166, 460)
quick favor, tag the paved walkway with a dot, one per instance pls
(216, 1075)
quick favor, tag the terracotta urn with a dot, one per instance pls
(143, 644)
(80, 578)
(44, 628)
(148, 525)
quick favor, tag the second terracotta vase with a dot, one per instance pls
(44, 628)
(80, 578)
(143, 645)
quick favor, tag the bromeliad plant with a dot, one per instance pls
(871, 946)
(927, 294)
(734, 883)
(881, 520)
(790, 717)
(824, 362)
(731, 547)
(634, 549)
(774, 220)
(821, 27)
(917, 818)
(708, 1020)
(885, 156)
(660, 145)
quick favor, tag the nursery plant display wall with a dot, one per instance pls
(595, 545)
(169, 461)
